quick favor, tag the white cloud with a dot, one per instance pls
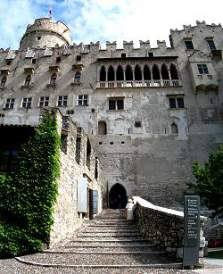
(138, 19)
(92, 20)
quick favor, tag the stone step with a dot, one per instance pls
(107, 249)
(109, 234)
(97, 259)
(110, 218)
(114, 240)
(108, 245)
(110, 223)
(109, 230)
(112, 226)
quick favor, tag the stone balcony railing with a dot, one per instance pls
(205, 82)
(139, 84)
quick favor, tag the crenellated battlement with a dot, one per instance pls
(110, 46)
(199, 24)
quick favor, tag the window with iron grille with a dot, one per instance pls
(62, 101)
(116, 104)
(27, 102)
(44, 101)
(82, 100)
(9, 104)
(176, 102)
(202, 68)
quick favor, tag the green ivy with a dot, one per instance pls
(27, 196)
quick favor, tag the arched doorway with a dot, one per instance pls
(117, 197)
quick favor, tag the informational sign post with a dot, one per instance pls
(191, 230)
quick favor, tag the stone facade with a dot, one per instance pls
(149, 112)
(67, 217)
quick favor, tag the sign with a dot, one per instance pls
(95, 201)
(191, 230)
(82, 196)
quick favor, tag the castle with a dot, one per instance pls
(148, 112)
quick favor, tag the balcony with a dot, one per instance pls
(139, 84)
(205, 82)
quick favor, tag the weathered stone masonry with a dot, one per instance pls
(148, 112)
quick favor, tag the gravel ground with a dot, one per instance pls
(13, 267)
(96, 259)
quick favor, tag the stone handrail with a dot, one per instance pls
(162, 226)
(139, 83)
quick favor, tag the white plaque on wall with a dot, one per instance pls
(82, 195)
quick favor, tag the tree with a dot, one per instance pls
(209, 180)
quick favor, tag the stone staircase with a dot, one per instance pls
(107, 244)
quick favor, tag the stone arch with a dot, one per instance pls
(174, 128)
(111, 74)
(103, 74)
(164, 72)
(138, 73)
(128, 73)
(173, 72)
(102, 128)
(117, 196)
(156, 73)
(119, 74)
(147, 73)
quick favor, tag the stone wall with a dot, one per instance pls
(66, 216)
(163, 227)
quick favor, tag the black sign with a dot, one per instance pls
(191, 229)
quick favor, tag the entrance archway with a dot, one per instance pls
(117, 197)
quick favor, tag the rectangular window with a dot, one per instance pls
(176, 102)
(62, 101)
(189, 44)
(9, 103)
(78, 58)
(202, 69)
(82, 100)
(116, 104)
(44, 101)
(27, 102)
(211, 44)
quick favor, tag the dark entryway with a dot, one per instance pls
(117, 197)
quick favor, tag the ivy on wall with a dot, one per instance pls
(27, 196)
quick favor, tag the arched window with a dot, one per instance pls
(111, 74)
(3, 81)
(102, 128)
(174, 128)
(164, 72)
(138, 73)
(147, 73)
(28, 80)
(128, 73)
(53, 79)
(156, 73)
(103, 74)
(119, 74)
(173, 72)
(77, 76)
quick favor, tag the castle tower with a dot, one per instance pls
(45, 33)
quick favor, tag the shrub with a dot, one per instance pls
(28, 196)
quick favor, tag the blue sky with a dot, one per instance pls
(107, 20)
